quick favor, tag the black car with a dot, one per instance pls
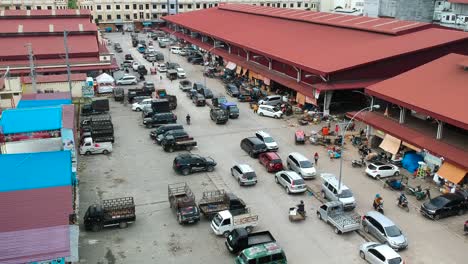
(445, 205)
(142, 70)
(189, 163)
(159, 119)
(177, 134)
(149, 85)
(163, 129)
(207, 93)
(194, 56)
(128, 57)
(253, 146)
(199, 100)
(191, 93)
(232, 90)
(220, 116)
(197, 61)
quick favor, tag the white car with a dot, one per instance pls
(175, 50)
(135, 65)
(180, 73)
(162, 68)
(270, 111)
(139, 106)
(127, 79)
(267, 139)
(151, 49)
(376, 253)
(379, 170)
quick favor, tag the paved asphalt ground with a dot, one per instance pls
(141, 169)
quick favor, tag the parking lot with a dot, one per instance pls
(141, 169)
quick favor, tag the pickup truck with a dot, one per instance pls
(98, 136)
(224, 222)
(90, 147)
(182, 200)
(185, 85)
(162, 94)
(231, 108)
(334, 214)
(97, 106)
(218, 115)
(213, 202)
(132, 93)
(114, 212)
(170, 144)
(239, 239)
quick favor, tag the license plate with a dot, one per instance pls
(191, 221)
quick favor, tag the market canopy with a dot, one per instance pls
(452, 173)
(104, 78)
(390, 144)
(231, 66)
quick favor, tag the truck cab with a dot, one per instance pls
(239, 239)
(220, 116)
(224, 222)
(231, 108)
(89, 147)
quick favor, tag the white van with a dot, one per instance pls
(175, 50)
(330, 191)
(271, 100)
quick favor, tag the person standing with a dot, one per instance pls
(316, 157)
(255, 108)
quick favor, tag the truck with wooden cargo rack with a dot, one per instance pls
(182, 200)
(213, 202)
(112, 212)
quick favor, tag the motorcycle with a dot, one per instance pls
(394, 184)
(379, 208)
(364, 150)
(418, 192)
(403, 204)
(358, 163)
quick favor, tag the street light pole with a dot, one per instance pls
(343, 139)
(171, 34)
(204, 62)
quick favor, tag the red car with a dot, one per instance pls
(271, 160)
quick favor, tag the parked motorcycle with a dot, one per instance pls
(418, 192)
(394, 184)
(358, 163)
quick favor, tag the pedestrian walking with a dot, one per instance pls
(160, 77)
(316, 157)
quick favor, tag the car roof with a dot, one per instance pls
(272, 155)
(266, 106)
(262, 133)
(292, 174)
(298, 156)
(254, 140)
(378, 163)
(331, 179)
(382, 219)
(387, 251)
(245, 167)
(262, 250)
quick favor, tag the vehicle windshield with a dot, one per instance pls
(345, 194)
(276, 161)
(439, 201)
(233, 109)
(392, 231)
(268, 140)
(260, 146)
(244, 258)
(250, 175)
(306, 164)
(298, 182)
(394, 260)
(217, 220)
(188, 211)
(276, 109)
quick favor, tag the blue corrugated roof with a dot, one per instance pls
(34, 170)
(42, 103)
(31, 119)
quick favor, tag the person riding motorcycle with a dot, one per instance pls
(377, 201)
(187, 118)
(402, 199)
(300, 208)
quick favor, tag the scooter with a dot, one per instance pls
(418, 192)
(403, 204)
(394, 184)
(379, 208)
(358, 163)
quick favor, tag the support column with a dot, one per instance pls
(402, 115)
(327, 96)
(298, 75)
(440, 128)
(248, 55)
(269, 64)
(229, 49)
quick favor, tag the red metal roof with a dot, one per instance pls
(379, 25)
(438, 89)
(46, 96)
(416, 138)
(26, 246)
(459, 1)
(55, 78)
(48, 45)
(313, 47)
(21, 26)
(2, 83)
(44, 13)
(68, 116)
(35, 208)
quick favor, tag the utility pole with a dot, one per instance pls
(65, 43)
(31, 66)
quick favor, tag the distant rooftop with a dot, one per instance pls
(34, 14)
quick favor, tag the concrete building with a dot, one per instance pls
(414, 10)
(33, 4)
(54, 84)
(10, 92)
(452, 13)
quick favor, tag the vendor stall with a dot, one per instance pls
(105, 83)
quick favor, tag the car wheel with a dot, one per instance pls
(186, 171)
(96, 227)
(337, 231)
(179, 219)
(396, 173)
(239, 181)
(324, 196)
(377, 177)
(288, 166)
(287, 190)
(319, 216)
(436, 217)
(260, 114)
(171, 149)
(362, 255)
(105, 152)
(138, 109)
(232, 173)
(276, 180)
(134, 82)
(276, 117)
(123, 225)
(210, 168)
(251, 154)
(87, 153)
(226, 234)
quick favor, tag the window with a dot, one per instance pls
(377, 254)
(189, 6)
(306, 4)
(127, 17)
(108, 7)
(268, 4)
(98, 7)
(117, 7)
(264, 259)
(140, 7)
(127, 7)
(261, 4)
(28, 7)
(204, 5)
(172, 6)
(147, 16)
(118, 17)
(109, 17)
(299, 4)
(147, 6)
(142, 15)
(135, 16)
(155, 16)
(49, 7)
(155, 6)
(198, 5)
(38, 7)
(284, 5)
(163, 6)
(216, 4)
(134, 6)
(181, 6)
(278, 5)
(99, 17)
(291, 5)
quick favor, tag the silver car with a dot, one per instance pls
(291, 182)
(127, 79)
(300, 164)
(244, 174)
(376, 253)
(384, 230)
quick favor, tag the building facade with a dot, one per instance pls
(415, 10)
(451, 13)
(33, 4)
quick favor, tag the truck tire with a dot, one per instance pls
(87, 153)
(337, 231)
(226, 234)
(96, 227)
(105, 152)
(123, 225)
(249, 229)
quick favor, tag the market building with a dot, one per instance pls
(54, 83)
(38, 36)
(320, 58)
(424, 110)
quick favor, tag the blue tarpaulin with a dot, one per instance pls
(27, 171)
(31, 119)
(42, 103)
(410, 161)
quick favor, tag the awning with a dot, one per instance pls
(231, 66)
(238, 69)
(408, 145)
(300, 98)
(452, 173)
(390, 144)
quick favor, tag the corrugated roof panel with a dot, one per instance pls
(35, 170)
(30, 245)
(42, 103)
(45, 96)
(31, 119)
